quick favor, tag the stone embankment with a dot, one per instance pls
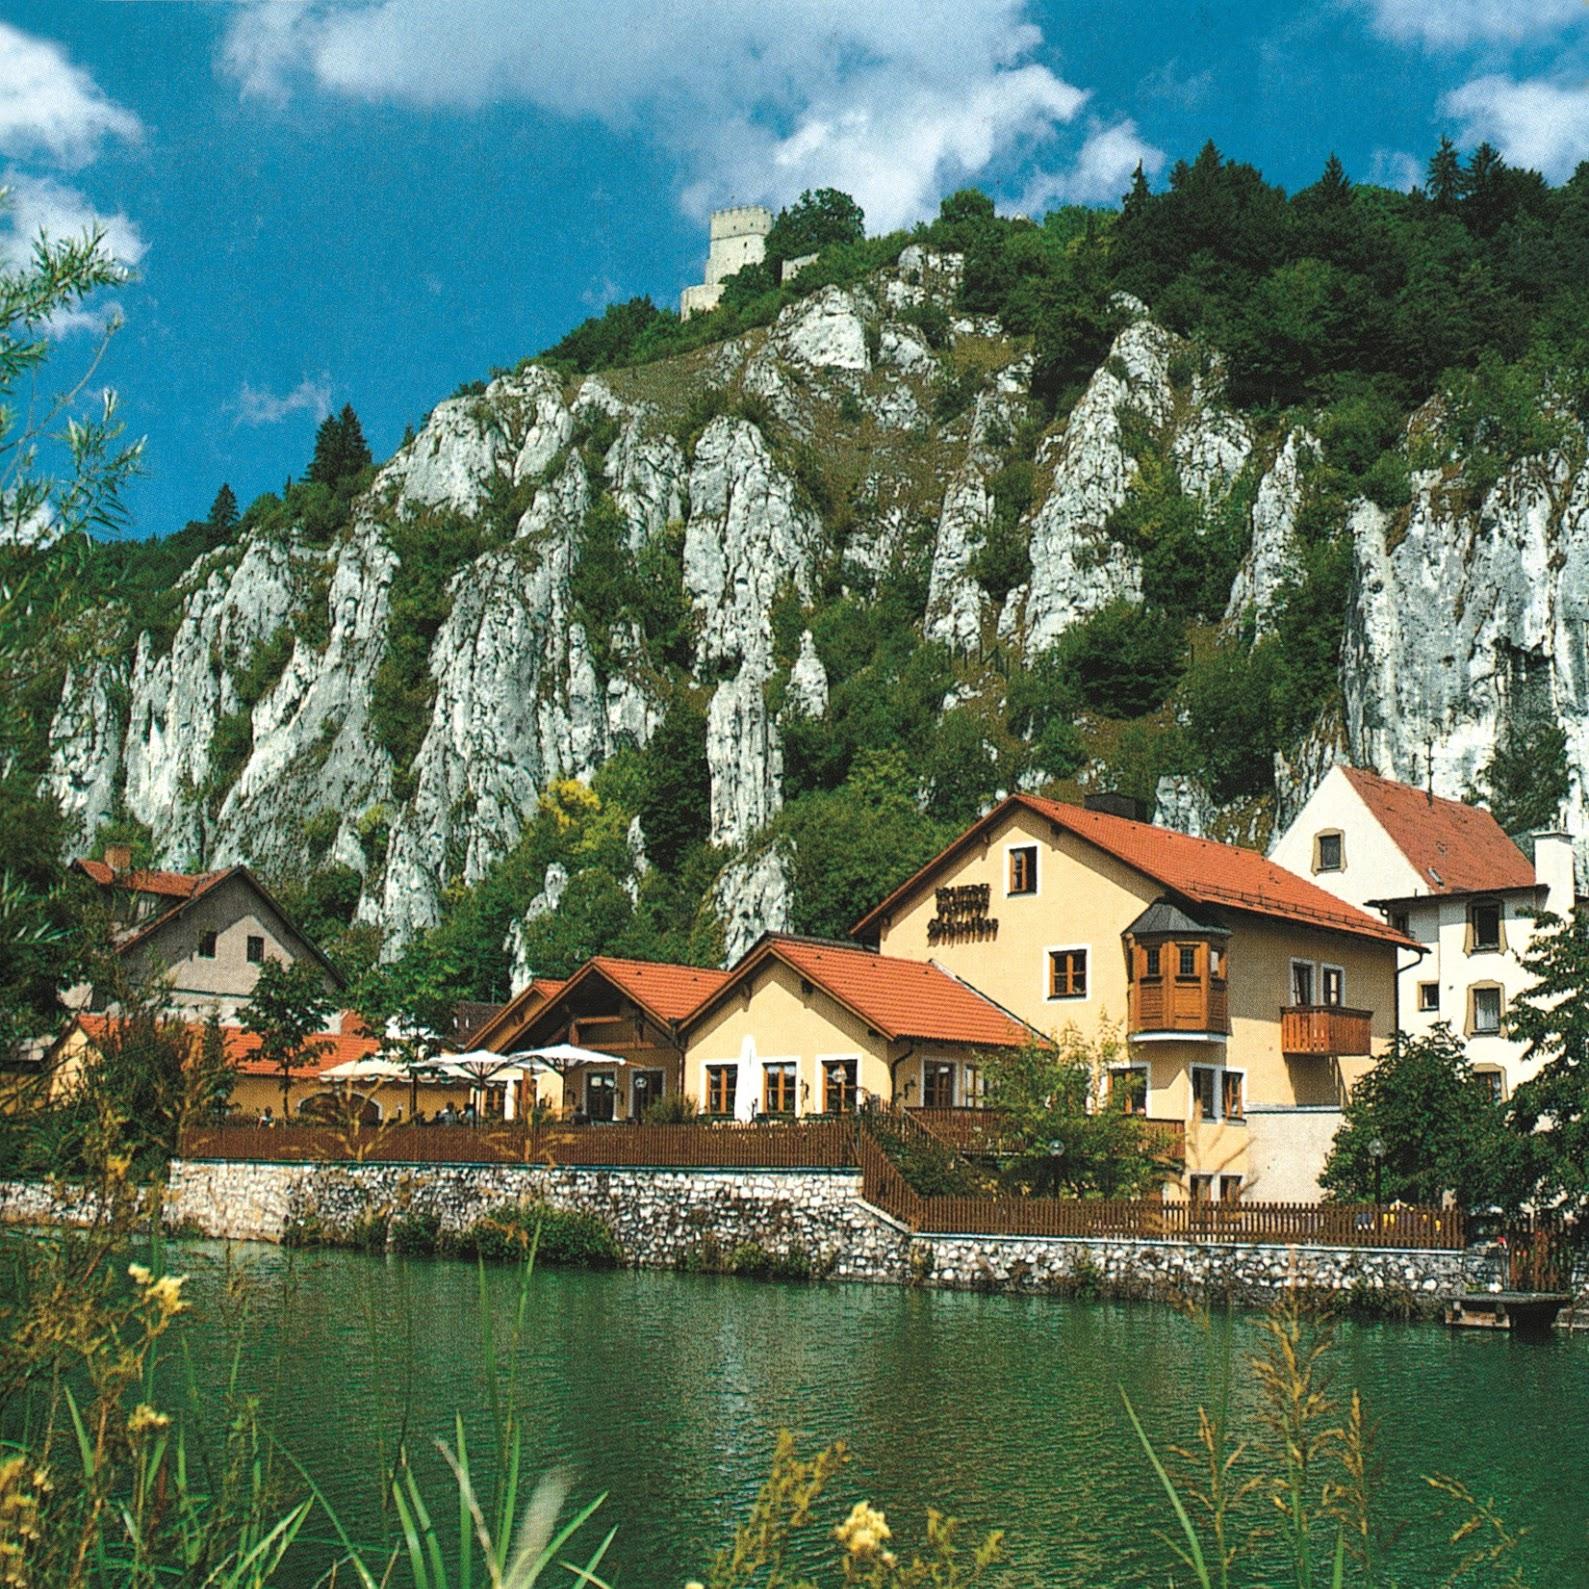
(677, 1218)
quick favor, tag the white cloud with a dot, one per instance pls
(1450, 24)
(256, 406)
(893, 103)
(1101, 171)
(1534, 123)
(50, 108)
(1395, 168)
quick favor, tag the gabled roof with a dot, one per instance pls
(173, 885)
(196, 886)
(896, 998)
(1454, 848)
(537, 991)
(1198, 870)
(665, 991)
(242, 1048)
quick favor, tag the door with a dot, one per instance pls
(601, 1095)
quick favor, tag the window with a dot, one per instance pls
(1332, 984)
(1202, 1188)
(1186, 960)
(1329, 851)
(1216, 961)
(1023, 869)
(722, 1088)
(938, 1084)
(1205, 1093)
(1495, 1081)
(1230, 1105)
(1230, 1188)
(601, 1095)
(1128, 1089)
(974, 1085)
(1302, 982)
(1484, 1009)
(1484, 927)
(1067, 973)
(778, 1088)
(206, 946)
(1428, 996)
(1402, 922)
(1150, 960)
(838, 1086)
(256, 950)
(645, 1091)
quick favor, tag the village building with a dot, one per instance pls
(204, 936)
(802, 1026)
(628, 1010)
(1246, 1000)
(1447, 875)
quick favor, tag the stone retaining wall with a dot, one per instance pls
(671, 1218)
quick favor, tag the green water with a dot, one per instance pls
(665, 1391)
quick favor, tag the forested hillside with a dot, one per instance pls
(682, 630)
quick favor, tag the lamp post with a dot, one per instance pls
(1376, 1151)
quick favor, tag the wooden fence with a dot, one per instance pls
(1310, 1224)
(806, 1144)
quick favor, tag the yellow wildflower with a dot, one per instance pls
(140, 1273)
(144, 1419)
(863, 1532)
(166, 1294)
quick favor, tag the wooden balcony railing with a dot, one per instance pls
(1325, 1029)
(1170, 1004)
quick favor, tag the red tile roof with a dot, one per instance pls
(174, 885)
(1197, 869)
(666, 990)
(507, 1019)
(897, 998)
(242, 1048)
(1454, 848)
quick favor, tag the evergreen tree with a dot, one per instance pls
(222, 517)
(340, 450)
(1334, 187)
(1444, 181)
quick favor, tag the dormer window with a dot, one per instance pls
(1329, 851)
(1486, 934)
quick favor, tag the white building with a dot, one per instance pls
(1448, 876)
(738, 237)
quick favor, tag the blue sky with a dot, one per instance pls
(370, 201)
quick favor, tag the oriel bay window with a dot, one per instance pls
(1179, 972)
(838, 1086)
(722, 1086)
(778, 1088)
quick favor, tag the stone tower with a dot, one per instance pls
(738, 239)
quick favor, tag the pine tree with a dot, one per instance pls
(340, 450)
(1335, 186)
(1136, 201)
(223, 511)
(1444, 183)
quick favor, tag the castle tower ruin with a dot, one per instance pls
(738, 238)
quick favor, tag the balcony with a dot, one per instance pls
(1170, 1005)
(1324, 1029)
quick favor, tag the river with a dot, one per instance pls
(666, 1390)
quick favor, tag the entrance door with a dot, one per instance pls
(938, 1084)
(646, 1091)
(601, 1095)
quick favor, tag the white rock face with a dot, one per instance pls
(808, 682)
(86, 731)
(955, 602)
(550, 897)
(1271, 559)
(754, 895)
(826, 332)
(1472, 616)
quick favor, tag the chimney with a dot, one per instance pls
(118, 857)
(1117, 805)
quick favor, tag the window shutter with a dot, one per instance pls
(1500, 928)
(1471, 1024)
(1469, 938)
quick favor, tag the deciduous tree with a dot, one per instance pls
(286, 1011)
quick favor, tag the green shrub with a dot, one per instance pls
(567, 1237)
(672, 1109)
(415, 1234)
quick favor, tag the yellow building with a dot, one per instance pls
(1251, 1000)
(801, 1026)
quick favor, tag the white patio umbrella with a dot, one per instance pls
(478, 1064)
(558, 1056)
(367, 1069)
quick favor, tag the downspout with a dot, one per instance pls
(893, 1074)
